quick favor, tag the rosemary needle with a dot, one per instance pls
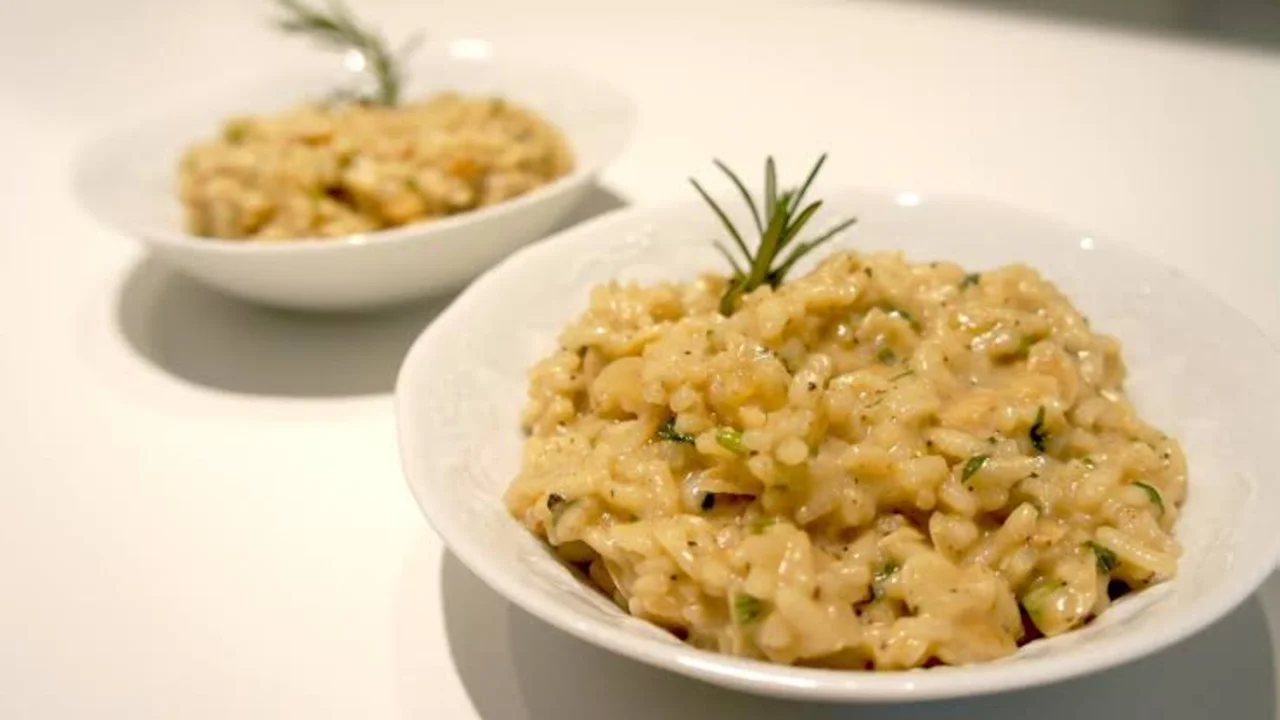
(778, 220)
(335, 28)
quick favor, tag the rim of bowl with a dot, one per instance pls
(176, 237)
(801, 683)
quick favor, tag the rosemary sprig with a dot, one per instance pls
(335, 28)
(778, 221)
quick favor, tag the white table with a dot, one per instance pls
(201, 509)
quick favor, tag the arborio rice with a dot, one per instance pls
(880, 465)
(342, 169)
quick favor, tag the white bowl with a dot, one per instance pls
(1197, 369)
(127, 179)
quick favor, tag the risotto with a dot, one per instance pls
(879, 465)
(340, 169)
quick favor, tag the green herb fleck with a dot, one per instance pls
(973, 465)
(746, 608)
(762, 523)
(882, 576)
(1034, 599)
(1025, 344)
(731, 440)
(1107, 559)
(1154, 494)
(668, 432)
(970, 280)
(1089, 463)
(894, 311)
(235, 132)
(1037, 433)
(886, 356)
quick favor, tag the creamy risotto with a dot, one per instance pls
(328, 170)
(880, 465)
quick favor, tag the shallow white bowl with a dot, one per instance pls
(1197, 369)
(127, 179)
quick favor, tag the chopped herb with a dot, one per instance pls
(1034, 599)
(235, 132)
(708, 501)
(1025, 344)
(974, 464)
(746, 608)
(1037, 434)
(730, 440)
(1107, 559)
(992, 440)
(970, 280)
(901, 375)
(668, 432)
(893, 311)
(1154, 494)
(885, 572)
(762, 523)
(886, 356)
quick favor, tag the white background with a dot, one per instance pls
(201, 509)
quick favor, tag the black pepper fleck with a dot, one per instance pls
(554, 500)
(814, 386)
